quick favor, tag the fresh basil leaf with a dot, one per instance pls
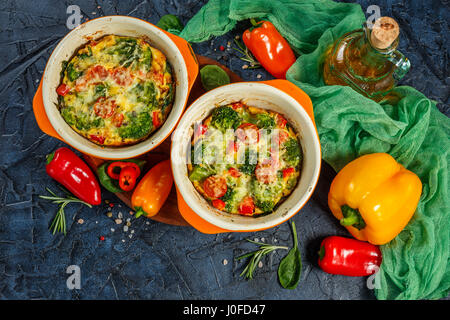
(170, 22)
(290, 267)
(213, 76)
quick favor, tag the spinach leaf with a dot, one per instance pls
(170, 22)
(213, 76)
(290, 267)
(72, 73)
(200, 172)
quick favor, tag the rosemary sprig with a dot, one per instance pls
(264, 248)
(59, 222)
(247, 56)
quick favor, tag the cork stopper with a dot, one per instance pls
(384, 32)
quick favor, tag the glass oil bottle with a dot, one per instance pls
(367, 60)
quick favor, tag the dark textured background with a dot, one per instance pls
(158, 261)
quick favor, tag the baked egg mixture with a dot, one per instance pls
(116, 90)
(244, 160)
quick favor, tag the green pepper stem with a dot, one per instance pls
(253, 21)
(321, 253)
(139, 213)
(352, 217)
(50, 157)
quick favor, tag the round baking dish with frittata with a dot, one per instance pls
(244, 160)
(116, 91)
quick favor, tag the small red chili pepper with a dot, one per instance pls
(67, 168)
(102, 238)
(116, 167)
(63, 89)
(222, 48)
(99, 139)
(269, 48)
(128, 177)
(349, 257)
(111, 205)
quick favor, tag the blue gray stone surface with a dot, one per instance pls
(152, 260)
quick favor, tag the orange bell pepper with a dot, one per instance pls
(269, 48)
(374, 197)
(153, 189)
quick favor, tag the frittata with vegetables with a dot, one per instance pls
(116, 90)
(244, 160)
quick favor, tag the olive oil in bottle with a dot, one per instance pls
(367, 60)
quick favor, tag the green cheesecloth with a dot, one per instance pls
(416, 263)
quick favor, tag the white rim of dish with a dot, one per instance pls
(89, 147)
(211, 214)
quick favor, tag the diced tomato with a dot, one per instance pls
(237, 105)
(215, 186)
(93, 43)
(280, 121)
(155, 119)
(218, 204)
(104, 108)
(232, 147)
(234, 172)
(63, 89)
(247, 206)
(97, 72)
(157, 76)
(118, 119)
(266, 172)
(248, 133)
(122, 76)
(287, 172)
(200, 130)
(81, 84)
(97, 138)
(280, 136)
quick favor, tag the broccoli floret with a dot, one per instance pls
(265, 205)
(137, 127)
(264, 121)
(250, 161)
(224, 118)
(228, 195)
(292, 154)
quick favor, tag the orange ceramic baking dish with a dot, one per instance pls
(278, 95)
(177, 51)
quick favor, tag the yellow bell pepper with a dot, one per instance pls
(374, 197)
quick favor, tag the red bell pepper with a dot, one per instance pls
(67, 168)
(349, 257)
(63, 89)
(269, 48)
